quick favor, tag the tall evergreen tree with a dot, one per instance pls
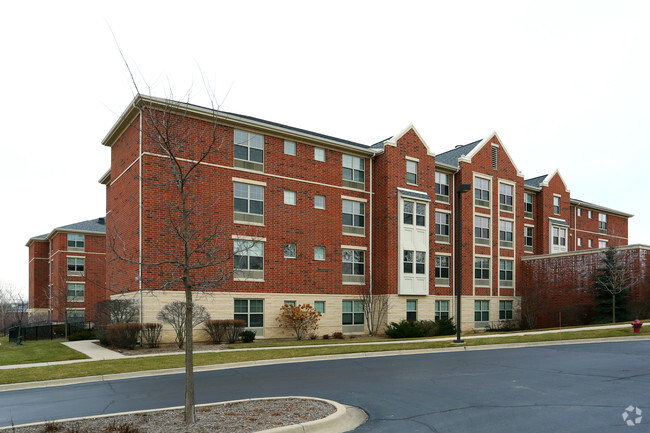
(611, 284)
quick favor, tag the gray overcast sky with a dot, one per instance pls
(566, 85)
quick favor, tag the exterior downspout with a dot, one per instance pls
(370, 240)
(140, 218)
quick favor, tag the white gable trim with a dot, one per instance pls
(393, 140)
(548, 178)
(469, 156)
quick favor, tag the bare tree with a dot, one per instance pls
(531, 304)
(375, 309)
(174, 314)
(13, 307)
(611, 280)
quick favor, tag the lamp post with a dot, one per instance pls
(462, 188)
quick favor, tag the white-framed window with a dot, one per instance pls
(250, 311)
(411, 172)
(528, 239)
(290, 303)
(602, 243)
(76, 292)
(590, 243)
(481, 311)
(353, 262)
(319, 154)
(420, 262)
(76, 242)
(411, 310)
(290, 147)
(442, 187)
(505, 233)
(414, 212)
(579, 242)
(249, 150)
(505, 273)
(319, 306)
(528, 205)
(442, 270)
(506, 194)
(579, 211)
(289, 251)
(556, 205)
(319, 253)
(249, 203)
(505, 310)
(354, 214)
(248, 259)
(482, 191)
(589, 214)
(354, 169)
(289, 197)
(482, 230)
(558, 239)
(482, 271)
(76, 266)
(442, 227)
(442, 310)
(352, 313)
(602, 222)
(319, 201)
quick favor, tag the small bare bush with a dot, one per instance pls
(301, 319)
(123, 335)
(151, 334)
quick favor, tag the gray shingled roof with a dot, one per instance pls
(414, 194)
(535, 181)
(451, 156)
(93, 225)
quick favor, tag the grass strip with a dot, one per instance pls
(36, 351)
(127, 365)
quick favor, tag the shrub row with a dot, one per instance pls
(125, 335)
(421, 328)
(228, 330)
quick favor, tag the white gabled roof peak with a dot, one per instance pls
(393, 140)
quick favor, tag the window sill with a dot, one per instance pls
(246, 223)
(250, 280)
(353, 284)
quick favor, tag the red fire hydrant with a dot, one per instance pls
(637, 326)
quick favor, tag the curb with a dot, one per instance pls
(214, 367)
(345, 418)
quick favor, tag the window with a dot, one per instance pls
(482, 191)
(319, 306)
(290, 197)
(319, 201)
(411, 310)
(411, 172)
(319, 253)
(505, 310)
(579, 211)
(602, 222)
(482, 271)
(420, 213)
(558, 239)
(420, 261)
(75, 292)
(353, 266)
(528, 205)
(76, 266)
(353, 171)
(249, 260)
(528, 239)
(442, 187)
(481, 311)
(442, 270)
(75, 315)
(589, 214)
(290, 303)
(353, 217)
(442, 227)
(249, 150)
(289, 251)
(505, 273)
(250, 311)
(442, 310)
(290, 147)
(76, 242)
(505, 234)
(352, 313)
(495, 153)
(579, 242)
(482, 230)
(319, 154)
(590, 242)
(505, 197)
(249, 203)
(556, 205)
(602, 244)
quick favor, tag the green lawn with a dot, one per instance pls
(35, 351)
(134, 364)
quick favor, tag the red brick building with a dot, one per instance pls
(308, 218)
(67, 271)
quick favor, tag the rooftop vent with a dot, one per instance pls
(101, 221)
